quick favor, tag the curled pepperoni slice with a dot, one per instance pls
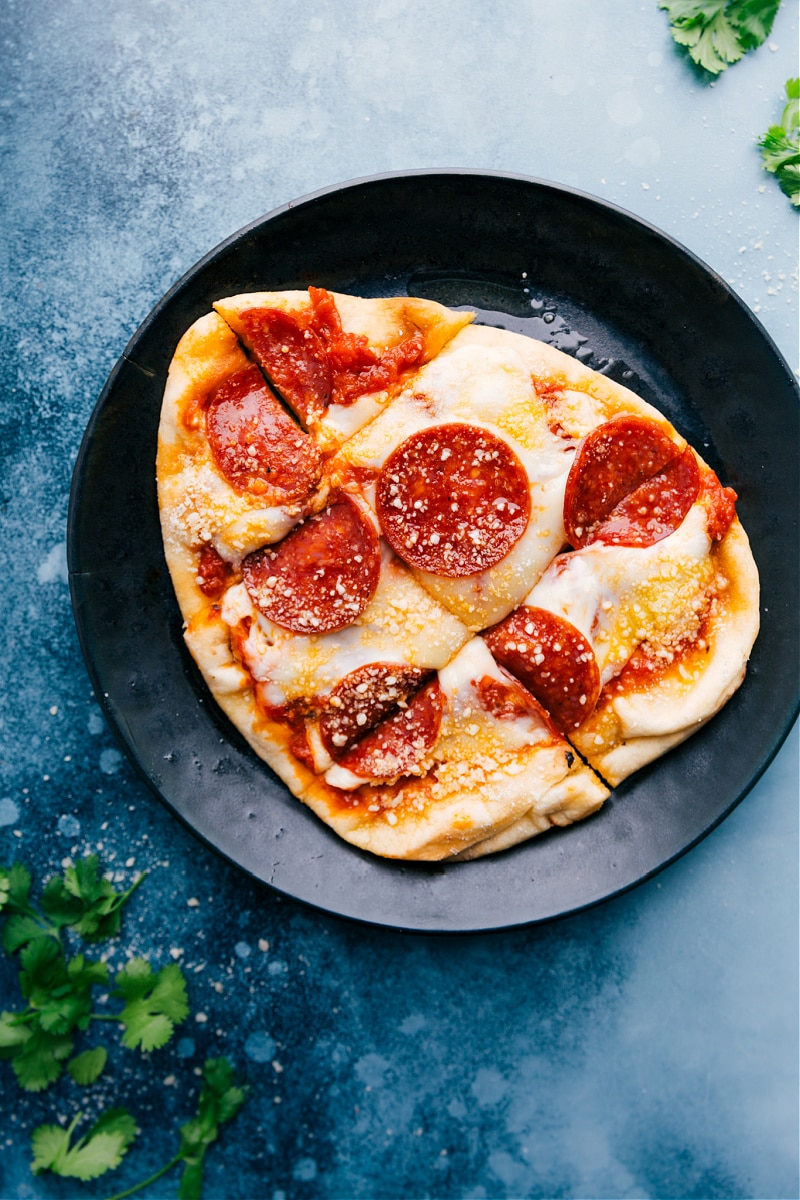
(400, 742)
(322, 576)
(293, 357)
(362, 699)
(255, 443)
(453, 500)
(552, 659)
(654, 509)
(611, 463)
(508, 700)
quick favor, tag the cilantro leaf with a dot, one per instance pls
(59, 1002)
(15, 886)
(20, 929)
(60, 992)
(86, 901)
(14, 1033)
(38, 1061)
(780, 145)
(50, 1143)
(99, 1150)
(155, 1003)
(85, 1068)
(23, 923)
(754, 20)
(718, 33)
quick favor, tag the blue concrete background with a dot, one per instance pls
(647, 1048)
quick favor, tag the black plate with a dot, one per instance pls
(536, 258)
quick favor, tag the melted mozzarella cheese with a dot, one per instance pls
(469, 733)
(201, 507)
(401, 624)
(466, 720)
(474, 381)
(621, 596)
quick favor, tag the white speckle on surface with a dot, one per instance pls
(624, 109)
(54, 568)
(242, 950)
(110, 761)
(68, 825)
(260, 1047)
(263, 945)
(9, 812)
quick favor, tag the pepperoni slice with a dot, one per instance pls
(212, 571)
(322, 576)
(552, 659)
(357, 369)
(399, 743)
(611, 462)
(255, 443)
(453, 500)
(508, 700)
(654, 509)
(293, 357)
(362, 699)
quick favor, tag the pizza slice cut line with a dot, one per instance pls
(475, 753)
(337, 360)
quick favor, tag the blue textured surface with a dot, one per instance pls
(644, 1049)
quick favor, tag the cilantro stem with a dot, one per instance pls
(137, 1187)
(104, 1017)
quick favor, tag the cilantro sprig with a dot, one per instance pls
(80, 899)
(221, 1097)
(780, 145)
(58, 989)
(58, 992)
(717, 33)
